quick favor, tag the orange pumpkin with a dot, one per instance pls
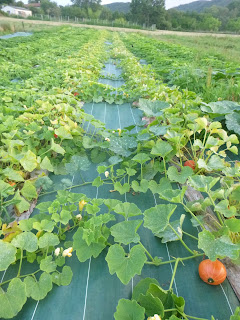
(212, 272)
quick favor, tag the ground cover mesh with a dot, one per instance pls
(93, 293)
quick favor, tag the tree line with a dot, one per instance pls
(147, 13)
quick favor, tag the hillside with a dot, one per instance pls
(119, 6)
(200, 6)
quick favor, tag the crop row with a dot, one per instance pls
(212, 77)
(179, 144)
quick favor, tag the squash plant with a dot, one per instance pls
(51, 132)
(32, 241)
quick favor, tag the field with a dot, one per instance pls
(119, 175)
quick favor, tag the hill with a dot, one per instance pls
(200, 6)
(119, 6)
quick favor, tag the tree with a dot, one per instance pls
(233, 25)
(94, 4)
(148, 11)
(19, 4)
(209, 23)
(51, 8)
(6, 2)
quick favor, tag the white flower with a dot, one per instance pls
(106, 174)
(155, 317)
(67, 252)
(79, 217)
(57, 251)
(113, 131)
(107, 139)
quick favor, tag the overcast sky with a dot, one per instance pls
(169, 3)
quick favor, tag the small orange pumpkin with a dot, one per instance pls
(212, 272)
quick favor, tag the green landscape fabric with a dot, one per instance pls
(93, 293)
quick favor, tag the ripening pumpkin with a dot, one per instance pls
(190, 163)
(212, 272)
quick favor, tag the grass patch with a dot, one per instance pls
(226, 48)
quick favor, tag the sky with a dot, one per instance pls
(169, 3)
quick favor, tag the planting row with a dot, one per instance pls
(179, 143)
(211, 77)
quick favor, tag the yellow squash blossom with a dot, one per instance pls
(82, 204)
(67, 252)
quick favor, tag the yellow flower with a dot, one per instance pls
(107, 139)
(68, 252)
(82, 204)
(106, 174)
(119, 131)
(54, 121)
(57, 251)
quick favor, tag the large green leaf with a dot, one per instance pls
(29, 161)
(7, 254)
(29, 190)
(22, 204)
(63, 133)
(157, 218)
(161, 149)
(233, 122)
(233, 225)
(83, 251)
(121, 145)
(12, 174)
(122, 188)
(142, 187)
(127, 209)
(152, 108)
(77, 163)
(158, 130)
(64, 278)
(152, 305)
(220, 107)
(63, 217)
(181, 176)
(125, 267)
(217, 247)
(46, 164)
(45, 225)
(126, 231)
(48, 240)
(57, 148)
(12, 301)
(129, 310)
(142, 287)
(44, 182)
(26, 241)
(26, 225)
(202, 183)
(225, 209)
(168, 234)
(48, 265)
(214, 163)
(38, 290)
(141, 158)
(111, 203)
